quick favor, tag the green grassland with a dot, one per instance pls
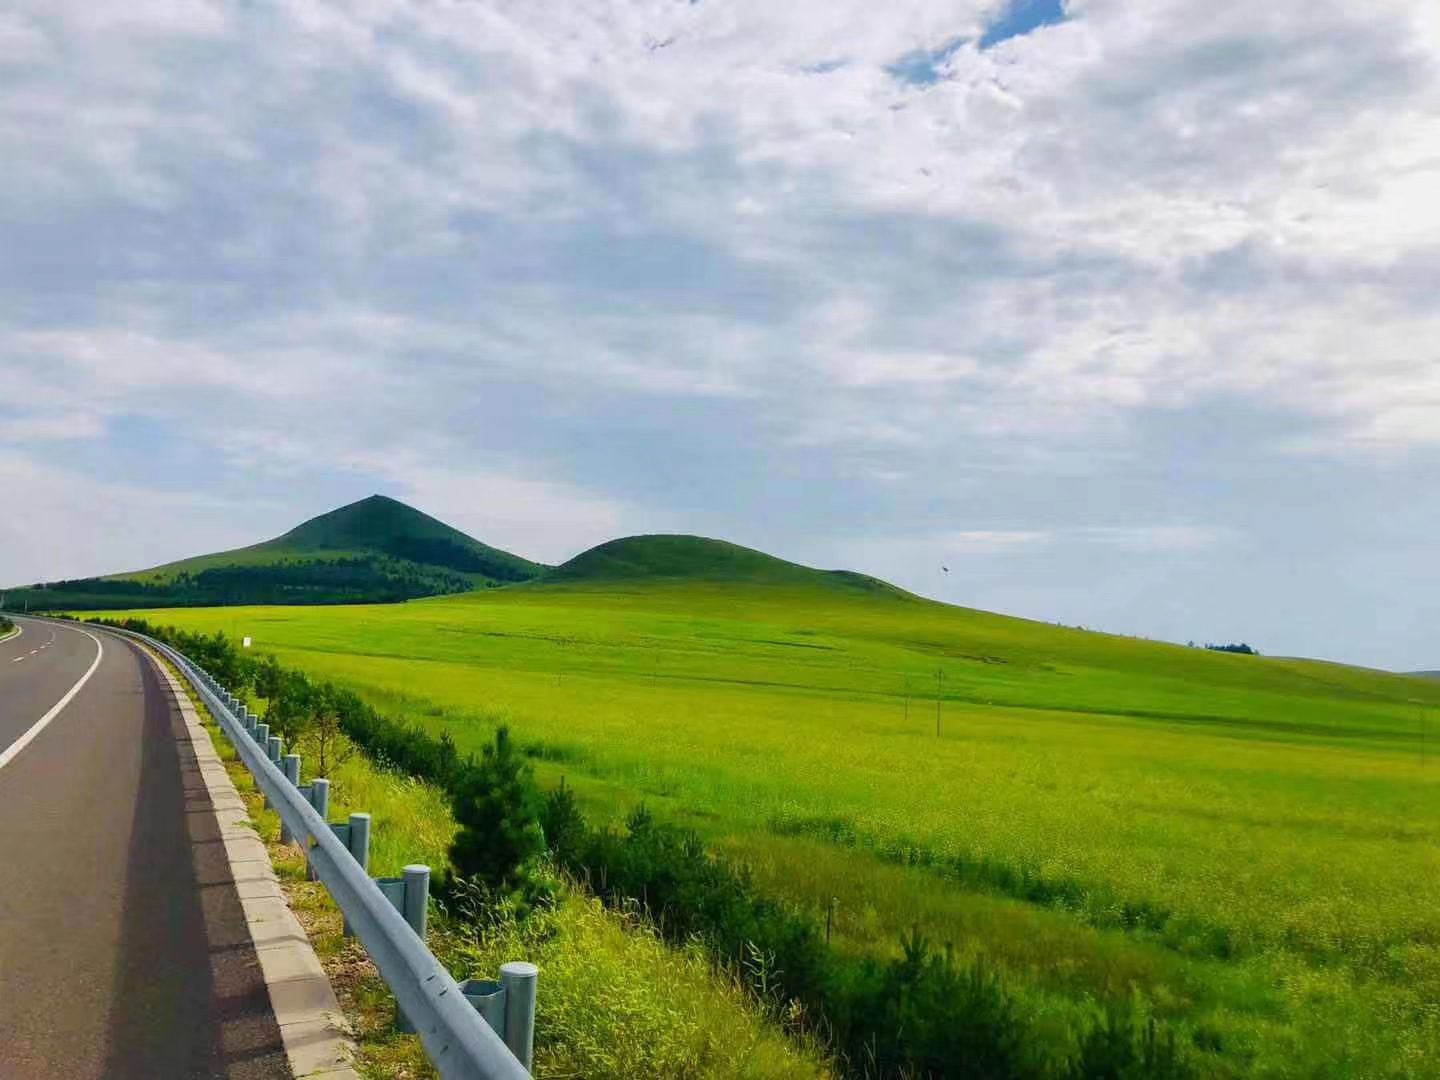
(1245, 847)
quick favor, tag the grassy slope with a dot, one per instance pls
(1276, 809)
(376, 525)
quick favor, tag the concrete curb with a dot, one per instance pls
(312, 1026)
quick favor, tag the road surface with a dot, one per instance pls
(123, 949)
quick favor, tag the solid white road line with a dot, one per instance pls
(40, 725)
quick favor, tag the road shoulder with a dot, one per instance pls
(312, 1026)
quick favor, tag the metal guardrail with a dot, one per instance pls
(458, 1039)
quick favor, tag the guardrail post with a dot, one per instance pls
(274, 749)
(262, 736)
(320, 800)
(519, 980)
(508, 1006)
(417, 897)
(292, 773)
(414, 904)
(358, 843)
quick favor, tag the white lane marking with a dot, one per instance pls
(17, 659)
(44, 722)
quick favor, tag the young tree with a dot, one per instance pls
(269, 677)
(498, 808)
(563, 824)
(293, 706)
(324, 744)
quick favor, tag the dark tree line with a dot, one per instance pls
(342, 580)
(437, 551)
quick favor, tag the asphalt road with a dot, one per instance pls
(123, 948)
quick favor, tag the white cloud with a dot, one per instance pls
(1153, 538)
(1107, 158)
(993, 541)
(75, 526)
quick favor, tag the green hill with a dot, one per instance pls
(374, 526)
(375, 550)
(696, 558)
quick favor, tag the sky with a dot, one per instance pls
(1125, 311)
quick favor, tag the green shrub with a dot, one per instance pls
(498, 808)
(1122, 1048)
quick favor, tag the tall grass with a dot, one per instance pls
(617, 1003)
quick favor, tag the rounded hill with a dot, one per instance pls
(386, 526)
(698, 558)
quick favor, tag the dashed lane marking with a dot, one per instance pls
(24, 740)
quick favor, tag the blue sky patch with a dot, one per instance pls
(1020, 18)
(922, 67)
